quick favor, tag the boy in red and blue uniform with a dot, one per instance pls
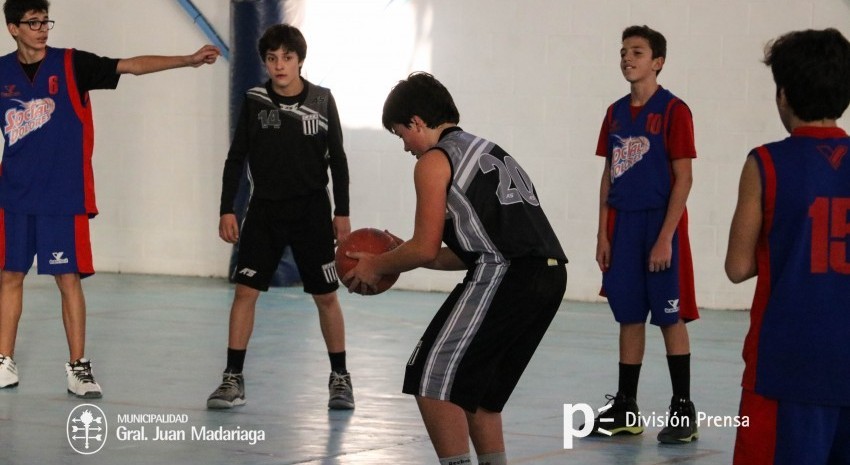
(647, 139)
(47, 184)
(790, 229)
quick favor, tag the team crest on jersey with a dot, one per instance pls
(9, 91)
(26, 118)
(311, 124)
(833, 155)
(627, 153)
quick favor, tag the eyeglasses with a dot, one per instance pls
(37, 25)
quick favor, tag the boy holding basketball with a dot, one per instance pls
(790, 229)
(289, 133)
(647, 139)
(47, 187)
(477, 199)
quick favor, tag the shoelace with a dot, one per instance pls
(338, 383)
(678, 409)
(82, 371)
(229, 382)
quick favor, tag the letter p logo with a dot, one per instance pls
(569, 431)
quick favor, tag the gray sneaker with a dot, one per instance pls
(8, 372)
(341, 392)
(230, 393)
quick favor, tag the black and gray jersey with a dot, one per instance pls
(493, 213)
(289, 144)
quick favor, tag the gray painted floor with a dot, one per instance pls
(158, 347)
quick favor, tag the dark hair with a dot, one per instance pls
(656, 40)
(421, 94)
(14, 10)
(283, 35)
(813, 67)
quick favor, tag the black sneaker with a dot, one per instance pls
(681, 424)
(341, 393)
(614, 418)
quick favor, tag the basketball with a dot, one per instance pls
(368, 240)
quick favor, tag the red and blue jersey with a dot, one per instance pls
(639, 150)
(48, 138)
(796, 348)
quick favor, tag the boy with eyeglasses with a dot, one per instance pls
(47, 186)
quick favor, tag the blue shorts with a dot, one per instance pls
(632, 290)
(788, 433)
(61, 243)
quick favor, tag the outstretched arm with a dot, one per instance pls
(154, 63)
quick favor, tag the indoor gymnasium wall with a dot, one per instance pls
(535, 76)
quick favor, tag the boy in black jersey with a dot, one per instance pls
(476, 198)
(289, 133)
(47, 183)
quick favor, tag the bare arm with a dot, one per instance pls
(603, 244)
(431, 178)
(153, 63)
(446, 261)
(661, 255)
(746, 226)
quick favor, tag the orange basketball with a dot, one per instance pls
(369, 240)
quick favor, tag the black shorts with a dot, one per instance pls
(480, 341)
(305, 224)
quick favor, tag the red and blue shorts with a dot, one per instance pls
(61, 243)
(632, 290)
(791, 433)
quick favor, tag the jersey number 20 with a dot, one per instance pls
(514, 183)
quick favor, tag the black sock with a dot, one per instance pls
(235, 360)
(629, 375)
(338, 362)
(680, 375)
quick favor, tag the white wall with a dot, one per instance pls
(534, 76)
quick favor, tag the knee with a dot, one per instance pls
(12, 279)
(246, 294)
(325, 301)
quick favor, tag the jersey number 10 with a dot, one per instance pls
(829, 242)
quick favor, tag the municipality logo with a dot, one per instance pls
(86, 429)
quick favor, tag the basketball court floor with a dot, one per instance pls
(158, 346)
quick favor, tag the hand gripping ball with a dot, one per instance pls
(369, 240)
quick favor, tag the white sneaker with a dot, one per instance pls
(8, 372)
(81, 382)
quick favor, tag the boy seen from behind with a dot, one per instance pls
(790, 230)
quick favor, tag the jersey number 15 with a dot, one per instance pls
(829, 241)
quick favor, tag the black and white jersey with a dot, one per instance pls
(289, 143)
(493, 213)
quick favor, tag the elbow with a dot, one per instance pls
(738, 273)
(428, 255)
